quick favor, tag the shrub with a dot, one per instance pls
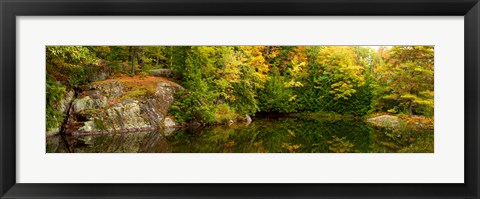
(275, 97)
(54, 93)
(223, 113)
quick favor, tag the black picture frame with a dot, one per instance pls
(9, 9)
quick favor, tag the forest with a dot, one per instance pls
(222, 84)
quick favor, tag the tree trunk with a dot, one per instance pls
(410, 109)
(133, 60)
(143, 58)
(171, 56)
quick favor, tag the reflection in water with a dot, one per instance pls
(280, 135)
(139, 142)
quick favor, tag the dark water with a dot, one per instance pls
(280, 135)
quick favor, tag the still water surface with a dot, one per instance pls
(263, 135)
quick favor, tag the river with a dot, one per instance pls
(263, 135)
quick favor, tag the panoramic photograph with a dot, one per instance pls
(239, 99)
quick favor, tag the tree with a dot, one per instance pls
(276, 97)
(339, 71)
(142, 61)
(69, 64)
(255, 59)
(155, 55)
(134, 50)
(297, 70)
(409, 77)
(67, 68)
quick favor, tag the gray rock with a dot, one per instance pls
(124, 116)
(88, 126)
(247, 119)
(173, 87)
(89, 103)
(127, 115)
(81, 104)
(128, 101)
(384, 121)
(64, 104)
(169, 122)
(132, 116)
(161, 72)
(164, 84)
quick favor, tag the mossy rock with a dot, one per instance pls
(388, 121)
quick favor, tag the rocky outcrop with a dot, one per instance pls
(161, 72)
(99, 71)
(62, 106)
(399, 123)
(107, 108)
(389, 121)
(110, 90)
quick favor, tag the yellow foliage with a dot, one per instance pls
(339, 63)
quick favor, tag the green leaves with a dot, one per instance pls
(339, 67)
(54, 94)
(71, 54)
(276, 97)
(350, 80)
(408, 78)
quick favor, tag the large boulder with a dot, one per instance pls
(106, 108)
(389, 121)
(88, 102)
